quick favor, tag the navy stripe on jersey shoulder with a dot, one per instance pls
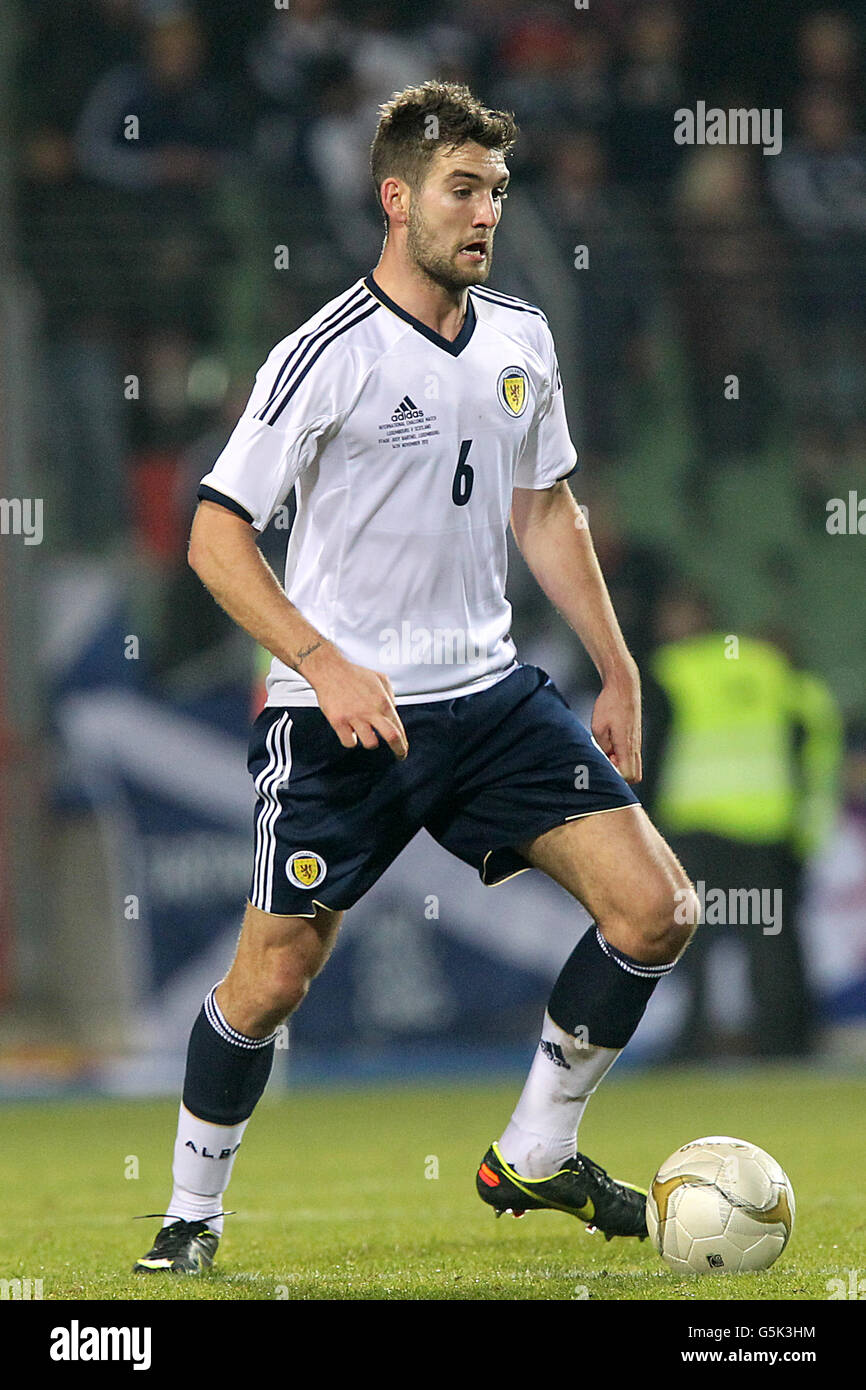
(507, 301)
(319, 343)
(206, 493)
(347, 304)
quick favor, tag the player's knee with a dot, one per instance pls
(687, 911)
(677, 913)
(266, 995)
(283, 988)
(662, 924)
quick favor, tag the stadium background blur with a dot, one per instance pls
(146, 272)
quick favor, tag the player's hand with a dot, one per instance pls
(616, 726)
(358, 704)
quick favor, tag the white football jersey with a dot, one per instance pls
(403, 449)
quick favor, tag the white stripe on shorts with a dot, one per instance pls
(273, 776)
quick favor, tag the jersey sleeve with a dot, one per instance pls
(548, 454)
(295, 402)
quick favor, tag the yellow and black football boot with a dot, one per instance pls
(184, 1247)
(581, 1188)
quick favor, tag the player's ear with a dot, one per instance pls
(395, 200)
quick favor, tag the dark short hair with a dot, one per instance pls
(418, 121)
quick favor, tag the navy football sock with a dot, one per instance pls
(596, 1005)
(226, 1072)
(601, 993)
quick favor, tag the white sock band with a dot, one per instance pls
(204, 1155)
(542, 1131)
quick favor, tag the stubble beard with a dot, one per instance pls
(431, 262)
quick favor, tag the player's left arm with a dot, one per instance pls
(555, 541)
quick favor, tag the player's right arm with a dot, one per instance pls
(357, 703)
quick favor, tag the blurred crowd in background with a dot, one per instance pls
(194, 182)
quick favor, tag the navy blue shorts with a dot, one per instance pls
(484, 773)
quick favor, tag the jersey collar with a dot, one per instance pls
(455, 346)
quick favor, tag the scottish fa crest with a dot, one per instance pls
(306, 869)
(512, 389)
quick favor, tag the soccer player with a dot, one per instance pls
(414, 415)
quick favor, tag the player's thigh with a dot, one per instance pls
(623, 872)
(274, 945)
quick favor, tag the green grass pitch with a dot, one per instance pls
(369, 1193)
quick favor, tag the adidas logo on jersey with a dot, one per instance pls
(406, 410)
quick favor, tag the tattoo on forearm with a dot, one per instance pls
(306, 651)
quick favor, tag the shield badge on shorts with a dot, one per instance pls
(305, 868)
(513, 390)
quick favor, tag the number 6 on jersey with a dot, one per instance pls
(464, 476)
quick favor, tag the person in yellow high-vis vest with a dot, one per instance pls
(742, 753)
